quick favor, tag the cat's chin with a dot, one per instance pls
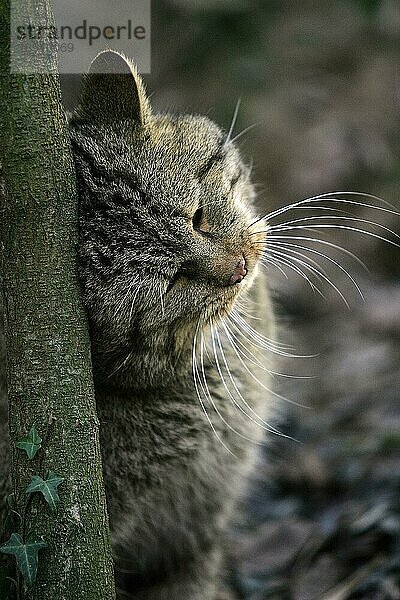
(215, 305)
(221, 307)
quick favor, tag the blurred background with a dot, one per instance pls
(319, 82)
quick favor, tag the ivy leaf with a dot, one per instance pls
(31, 443)
(48, 487)
(26, 555)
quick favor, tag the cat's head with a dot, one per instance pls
(165, 237)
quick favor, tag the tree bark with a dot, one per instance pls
(48, 351)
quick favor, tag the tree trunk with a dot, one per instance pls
(48, 351)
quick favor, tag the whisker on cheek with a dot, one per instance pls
(288, 247)
(201, 386)
(332, 197)
(256, 379)
(291, 263)
(259, 422)
(319, 241)
(307, 221)
(316, 271)
(230, 396)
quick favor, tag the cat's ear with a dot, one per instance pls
(113, 91)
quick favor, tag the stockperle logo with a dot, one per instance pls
(81, 30)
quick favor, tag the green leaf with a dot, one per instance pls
(47, 487)
(31, 443)
(26, 555)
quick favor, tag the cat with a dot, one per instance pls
(169, 248)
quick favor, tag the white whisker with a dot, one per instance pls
(334, 210)
(233, 122)
(136, 295)
(306, 221)
(268, 260)
(288, 261)
(263, 424)
(345, 227)
(256, 378)
(332, 197)
(197, 380)
(317, 240)
(162, 299)
(244, 310)
(255, 360)
(231, 397)
(317, 272)
(239, 135)
(288, 246)
(120, 305)
(257, 340)
(122, 364)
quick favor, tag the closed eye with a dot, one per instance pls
(197, 218)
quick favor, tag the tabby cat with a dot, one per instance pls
(169, 250)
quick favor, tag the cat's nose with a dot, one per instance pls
(239, 273)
